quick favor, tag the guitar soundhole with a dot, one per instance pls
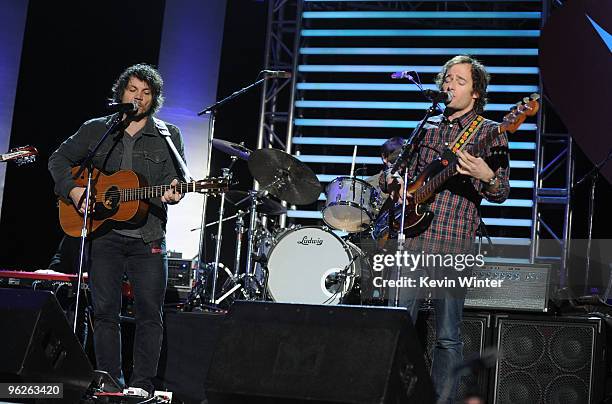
(109, 206)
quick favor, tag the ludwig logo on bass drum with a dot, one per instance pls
(307, 241)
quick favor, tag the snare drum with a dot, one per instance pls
(312, 265)
(351, 204)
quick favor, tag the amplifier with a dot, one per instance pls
(180, 280)
(525, 287)
(180, 273)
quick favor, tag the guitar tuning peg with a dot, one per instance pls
(535, 96)
(526, 100)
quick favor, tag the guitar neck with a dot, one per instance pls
(132, 194)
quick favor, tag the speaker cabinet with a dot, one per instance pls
(476, 337)
(549, 360)
(189, 340)
(289, 353)
(38, 345)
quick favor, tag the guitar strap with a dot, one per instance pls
(466, 134)
(163, 130)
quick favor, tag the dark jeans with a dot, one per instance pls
(112, 255)
(448, 348)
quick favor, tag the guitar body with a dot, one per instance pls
(107, 207)
(418, 217)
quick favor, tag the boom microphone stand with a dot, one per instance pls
(406, 155)
(211, 110)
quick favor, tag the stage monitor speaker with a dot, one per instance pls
(38, 345)
(189, 340)
(476, 336)
(549, 360)
(292, 353)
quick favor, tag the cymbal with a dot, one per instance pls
(266, 205)
(233, 149)
(284, 176)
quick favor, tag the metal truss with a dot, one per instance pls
(276, 105)
(284, 18)
(554, 177)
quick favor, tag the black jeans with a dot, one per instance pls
(112, 255)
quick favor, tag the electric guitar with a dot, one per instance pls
(422, 190)
(20, 155)
(122, 197)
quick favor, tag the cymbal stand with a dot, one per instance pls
(226, 175)
(249, 273)
(240, 229)
(234, 278)
(251, 235)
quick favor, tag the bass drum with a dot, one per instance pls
(312, 265)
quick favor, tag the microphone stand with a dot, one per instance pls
(594, 175)
(212, 110)
(405, 155)
(87, 164)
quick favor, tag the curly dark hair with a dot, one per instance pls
(480, 78)
(144, 72)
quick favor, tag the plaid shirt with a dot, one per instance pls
(456, 214)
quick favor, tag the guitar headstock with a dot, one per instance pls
(20, 155)
(529, 106)
(212, 185)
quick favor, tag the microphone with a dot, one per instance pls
(273, 74)
(122, 106)
(406, 74)
(439, 96)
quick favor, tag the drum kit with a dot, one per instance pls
(296, 264)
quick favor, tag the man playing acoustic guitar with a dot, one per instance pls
(136, 248)
(456, 202)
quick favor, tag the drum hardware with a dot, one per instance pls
(211, 110)
(232, 149)
(240, 213)
(337, 281)
(312, 265)
(351, 204)
(199, 291)
(228, 175)
(265, 205)
(284, 176)
(239, 229)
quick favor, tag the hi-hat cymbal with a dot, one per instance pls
(284, 176)
(266, 205)
(233, 149)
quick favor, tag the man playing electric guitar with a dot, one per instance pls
(455, 204)
(135, 248)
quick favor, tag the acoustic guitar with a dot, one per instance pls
(122, 197)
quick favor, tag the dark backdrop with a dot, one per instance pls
(72, 53)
